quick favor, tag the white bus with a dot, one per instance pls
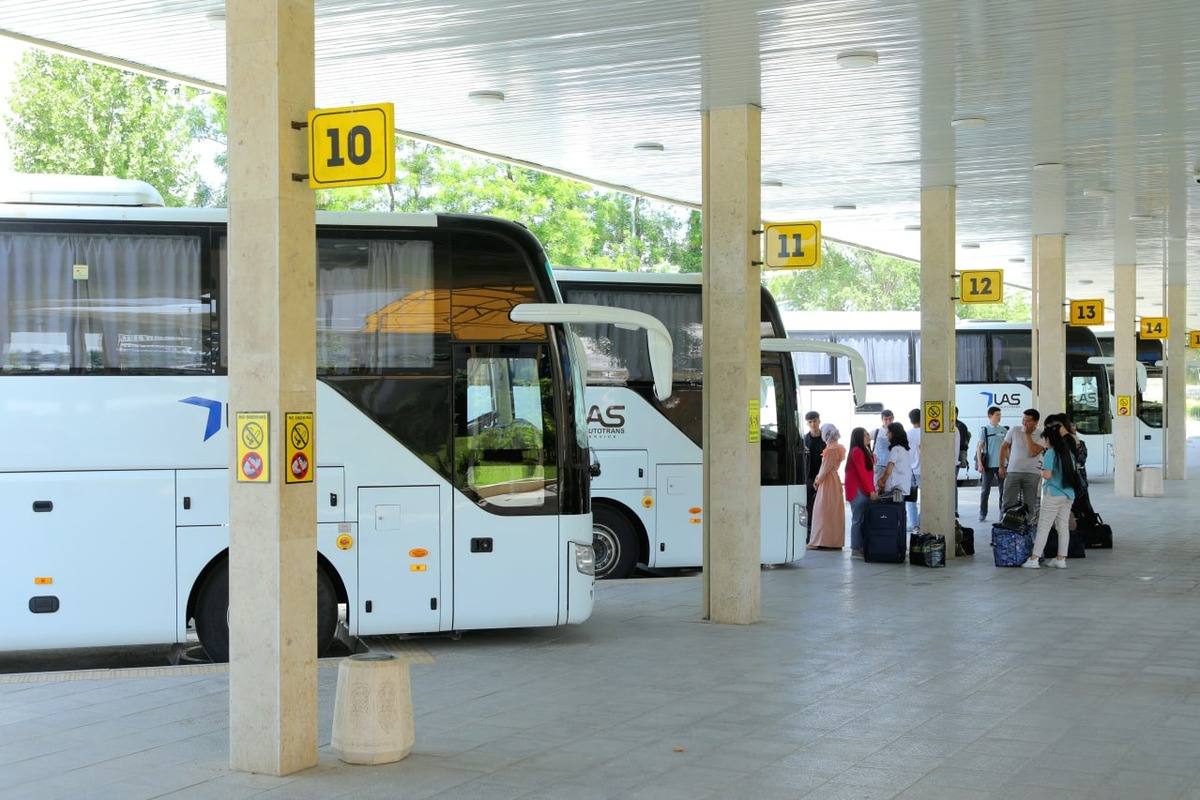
(649, 497)
(1150, 388)
(451, 445)
(994, 366)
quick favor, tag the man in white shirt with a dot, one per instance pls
(1021, 462)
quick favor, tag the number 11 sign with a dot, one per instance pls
(792, 245)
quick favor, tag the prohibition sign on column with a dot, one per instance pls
(252, 435)
(298, 447)
(253, 446)
(933, 416)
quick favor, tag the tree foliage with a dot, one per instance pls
(69, 116)
(850, 279)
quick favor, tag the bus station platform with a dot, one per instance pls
(861, 681)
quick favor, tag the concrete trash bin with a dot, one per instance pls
(1149, 482)
(372, 711)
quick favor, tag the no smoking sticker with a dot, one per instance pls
(253, 447)
(298, 446)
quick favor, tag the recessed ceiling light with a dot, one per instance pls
(1141, 297)
(857, 59)
(649, 147)
(1141, 217)
(1085, 281)
(912, 227)
(1017, 260)
(966, 123)
(486, 97)
(1049, 166)
(845, 207)
(773, 183)
(1096, 192)
(970, 245)
(215, 19)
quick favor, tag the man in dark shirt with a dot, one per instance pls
(814, 446)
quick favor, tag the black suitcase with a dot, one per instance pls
(883, 532)
(1075, 546)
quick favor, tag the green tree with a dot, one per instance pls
(69, 116)
(850, 279)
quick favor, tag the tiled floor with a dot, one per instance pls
(861, 681)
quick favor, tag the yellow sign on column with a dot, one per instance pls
(1124, 405)
(351, 146)
(1087, 312)
(253, 447)
(792, 245)
(1154, 327)
(298, 447)
(982, 286)
(1194, 339)
(754, 421)
(935, 417)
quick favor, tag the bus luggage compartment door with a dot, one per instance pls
(399, 560)
(680, 522)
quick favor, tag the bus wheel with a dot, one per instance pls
(614, 542)
(212, 613)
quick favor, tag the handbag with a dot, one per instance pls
(1010, 548)
(926, 550)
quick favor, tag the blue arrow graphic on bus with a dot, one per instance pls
(214, 414)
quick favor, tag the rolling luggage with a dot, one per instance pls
(883, 532)
(1075, 547)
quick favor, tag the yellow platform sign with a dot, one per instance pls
(298, 447)
(1154, 327)
(792, 245)
(1087, 312)
(982, 286)
(1194, 339)
(351, 146)
(253, 447)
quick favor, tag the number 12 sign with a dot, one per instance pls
(982, 286)
(792, 245)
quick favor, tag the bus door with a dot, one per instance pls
(1087, 406)
(399, 559)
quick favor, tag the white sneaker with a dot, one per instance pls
(1057, 563)
(1031, 564)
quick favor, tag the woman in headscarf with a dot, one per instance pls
(829, 510)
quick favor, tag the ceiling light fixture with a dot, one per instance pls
(1049, 166)
(1085, 281)
(845, 207)
(215, 19)
(1097, 192)
(771, 183)
(970, 245)
(486, 97)
(649, 147)
(1141, 217)
(857, 59)
(912, 228)
(968, 123)
(1017, 260)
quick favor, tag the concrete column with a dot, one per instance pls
(732, 498)
(1049, 333)
(272, 368)
(939, 459)
(1175, 303)
(1125, 444)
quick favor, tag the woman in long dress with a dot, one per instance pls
(829, 510)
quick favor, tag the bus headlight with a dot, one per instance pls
(585, 559)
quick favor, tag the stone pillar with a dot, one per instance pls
(272, 368)
(939, 459)
(1175, 302)
(1125, 444)
(732, 582)
(1049, 332)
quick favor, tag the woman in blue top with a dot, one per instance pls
(1058, 492)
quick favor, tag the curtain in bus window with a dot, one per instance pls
(886, 354)
(102, 302)
(616, 355)
(377, 306)
(812, 364)
(970, 357)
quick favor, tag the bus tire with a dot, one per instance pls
(614, 541)
(212, 613)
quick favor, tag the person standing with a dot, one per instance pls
(914, 450)
(860, 485)
(1058, 493)
(987, 460)
(814, 445)
(829, 511)
(897, 474)
(880, 444)
(1020, 462)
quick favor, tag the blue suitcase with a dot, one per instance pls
(883, 532)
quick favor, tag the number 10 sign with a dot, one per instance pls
(792, 245)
